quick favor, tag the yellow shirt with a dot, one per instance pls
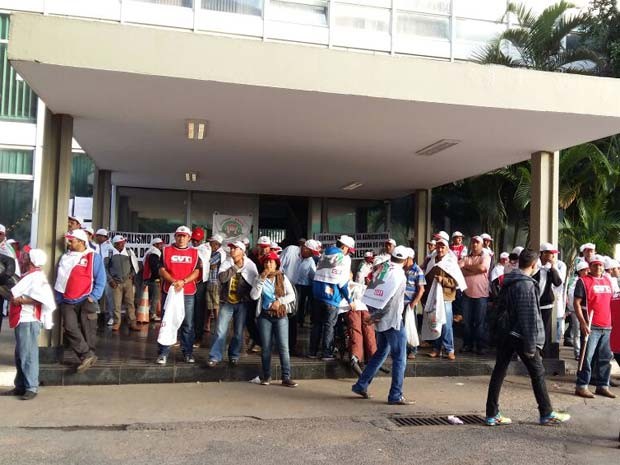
(233, 298)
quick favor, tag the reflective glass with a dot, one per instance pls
(421, 25)
(244, 7)
(150, 210)
(426, 6)
(477, 31)
(290, 12)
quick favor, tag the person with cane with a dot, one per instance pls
(595, 291)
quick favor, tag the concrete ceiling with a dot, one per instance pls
(275, 141)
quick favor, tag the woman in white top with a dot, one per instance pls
(276, 298)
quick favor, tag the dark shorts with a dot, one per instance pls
(213, 296)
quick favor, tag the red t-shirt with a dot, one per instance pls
(598, 297)
(180, 263)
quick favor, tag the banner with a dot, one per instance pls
(140, 242)
(232, 227)
(364, 242)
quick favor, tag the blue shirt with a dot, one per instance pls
(415, 279)
(269, 294)
(305, 272)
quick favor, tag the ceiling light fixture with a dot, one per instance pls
(438, 146)
(196, 129)
(191, 176)
(352, 186)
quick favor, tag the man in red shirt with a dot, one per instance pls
(179, 268)
(595, 291)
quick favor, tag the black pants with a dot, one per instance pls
(548, 322)
(251, 325)
(1, 310)
(200, 311)
(304, 302)
(292, 334)
(80, 324)
(535, 368)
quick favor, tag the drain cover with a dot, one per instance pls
(437, 420)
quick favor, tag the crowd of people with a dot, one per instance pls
(387, 305)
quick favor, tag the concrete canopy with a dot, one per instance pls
(292, 119)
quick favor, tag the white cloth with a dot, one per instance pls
(410, 327)
(560, 291)
(174, 313)
(204, 253)
(364, 270)
(67, 262)
(450, 265)
(36, 286)
(434, 316)
(333, 269)
(386, 280)
(496, 272)
(8, 250)
(356, 293)
(248, 269)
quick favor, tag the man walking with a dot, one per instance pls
(80, 281)
(122, 265)
(525, 336)
(385, 300)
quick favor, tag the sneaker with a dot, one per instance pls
(234, 362)
(312, 356)
(401, 401)
(161, 360)
(212, 363)
(605, 392)
(29, 395)
(288, 382)
(361, 392)
(86, 364)
(328, 358)
(265, 381)
(110, 322)
(155, 318)
(189, 359)
(14, 392)
(497, 420)
(554, 418)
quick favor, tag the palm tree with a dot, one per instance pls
(537, 42)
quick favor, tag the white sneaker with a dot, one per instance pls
(161, 360)
(111, 322)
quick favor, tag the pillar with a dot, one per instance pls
(544, 216)
(102, 199)
(422, 222)
(53, 208)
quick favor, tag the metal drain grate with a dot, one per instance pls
(438, 420)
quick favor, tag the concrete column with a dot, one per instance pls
(422, 222)
(544, 217)
(53, 206)
(102, 198)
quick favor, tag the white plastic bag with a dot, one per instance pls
(174, 313)
(412, 332)
(434, 313)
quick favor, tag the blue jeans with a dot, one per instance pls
(186, 330)
(474, 317)
(597, 347)
(269, 327)
(324, 318)
(446, 339)
(237, 313)
(27, 356)
(394, 343)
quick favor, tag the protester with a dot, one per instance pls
(457, 246)
(213, 284)
(587, 251)
(90, 232)
(385, 300)
(179, 268)
(364, 273)
(200, 297)
(9, 269)
(430, 251)
(80, 281)
(595, 290)
(499, 269)
(121, 266)
(303, 277)
(107, 300)
(388, 247)
(150, 276)
(547, 276)
(444, 269)
(31, 307)
(475, 268)
(329, 287)
(237, 274)
(414, 291)
(525, 336)
(581, 269)
(276, 296)
(74, 222)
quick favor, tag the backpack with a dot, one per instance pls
(500, 319)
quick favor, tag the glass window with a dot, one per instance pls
(82, 175)
(425, 6)
(16, 209)
(299, 13)
(184, 3)
(355, 216)
(15, 162)
(245, 7)
(492, 10)
(477, 31)
(421, 25)
(340, 216)
(150, 210)
(362, 18)
(204, 204)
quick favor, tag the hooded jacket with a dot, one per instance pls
(523, 301)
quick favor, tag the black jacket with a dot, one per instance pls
(522, 299)
(547, 297)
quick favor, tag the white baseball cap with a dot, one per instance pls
(379, 259)
(348, 241)
(587, 245)
(102, 232)
(118, 238)
(486, 236)
(11, 241)
(157, 240)
(90, 231)
(582, 265)
(264, 241)
(2, 228)
(76, 218)
(504, 255)
(313, 245)
(597, 259)
(400, 252)
(411, 252)
(274, 245)
(457, 234)
(182, 230)
(548, 247)
(611, 263)
(432, 242)
(369, 254)
(78, 234)
(391, 241)
(517, 250)
(37, 257)
(216, 238)
(442, 235)
(237, 244)
(476, 239)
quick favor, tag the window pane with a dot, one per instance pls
(245, 7)
(16, 209)
(425, 26)
(492, 10)
(204, 204)
(341, 216)
(82, 176)
(289, 12)
(15, 162)
(426, 6)
(362, 18)
(150, 210)
(184, 3)
(477, 31)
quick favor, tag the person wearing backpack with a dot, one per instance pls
(519, 329)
